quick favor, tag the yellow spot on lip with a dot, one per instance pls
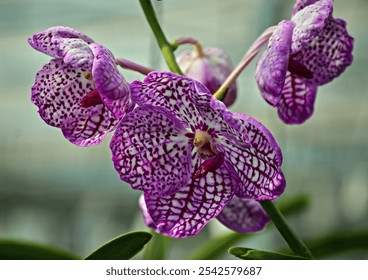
(88, 75)
(204, 144)
(201, 138)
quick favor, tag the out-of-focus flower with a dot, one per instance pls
(240, 214)
(191, 156)
(80, 90)
(211, 67)
(310, 50)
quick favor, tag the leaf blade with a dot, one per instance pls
(122, 247)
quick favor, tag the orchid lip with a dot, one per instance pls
(209, 165)
(299, 69)
(91, 99)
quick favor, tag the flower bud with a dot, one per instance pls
(211, 67)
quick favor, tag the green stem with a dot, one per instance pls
(248, 57)
(294, 242)
(165, 46)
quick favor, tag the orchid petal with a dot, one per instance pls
(329, 53)
(187, 211)
(273, 63)
(259, 166)
(151, 151)
(297, 100)
(301, 4)
(58, 91)
(111, 85)
(176, 93)
(51, 41)
(309, 22)
(243, 215)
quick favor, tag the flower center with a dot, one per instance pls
(204, 144)
(207, 151)
(88, 75)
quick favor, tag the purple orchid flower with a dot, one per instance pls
(80, 90)
(191, 156)
(211, 67)
(310, 50)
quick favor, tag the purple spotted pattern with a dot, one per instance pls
(178, 130)
(80, 91)
(310, 50)
(211, 68)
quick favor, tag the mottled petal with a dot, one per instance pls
(297, 100)
(186, 212)
(176, 93)
(243, 215)
(89, 128)
(328, 54)
(273, 63)
(76, 53)
(52, 41)
(300, 4)
(112, 87)
(58, 91)
(151, 152)
(309, 22)
(258, 167)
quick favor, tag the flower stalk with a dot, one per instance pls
(130, 65)
(294, 242)
(248, 57)
(165, 46)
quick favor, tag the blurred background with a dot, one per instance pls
(71, 197)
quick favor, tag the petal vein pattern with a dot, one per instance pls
(151, 151)
(258, 167)
(176, 93)
(186, 212)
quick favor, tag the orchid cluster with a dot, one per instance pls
(191, 157)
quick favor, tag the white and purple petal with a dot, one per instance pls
(243, 215)
(58, 91)
(87, 128)
(176, 93)
(301, 4)
(151, 151)
(296, 104)
(329, 53)
(186, 212)
(110, 84)
(52, 41)
(258, 166)
(309, 22)
(273, 63)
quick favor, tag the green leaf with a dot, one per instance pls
(157, 248)
(216, 247)
(253, 254)
(23, 250)
(123, 247)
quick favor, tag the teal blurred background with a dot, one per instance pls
(71, 197)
